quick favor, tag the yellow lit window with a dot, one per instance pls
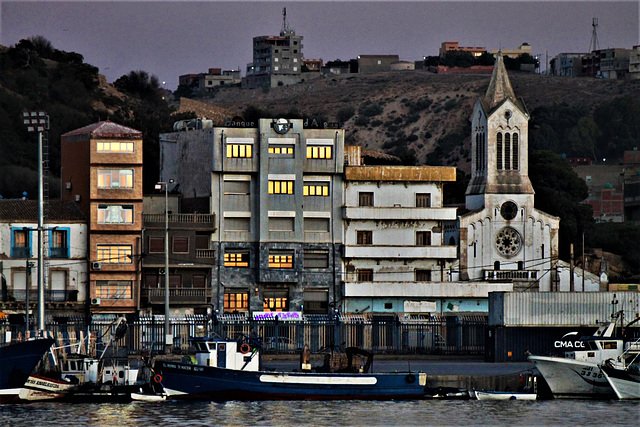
(280, 261)
(115, 146)
(239, 150)
(114, 289)
(280, 187)
(236, 301)
(236, 259)
(114, 254)
(319, 152)
(315, 190)
(280, 150)
(115, 178)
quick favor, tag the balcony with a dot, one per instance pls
(205, 253)
(501, 275)
(20, 252)
(400, 252)
(423, 289)
(58, 252)
(179, 295)
(185, 221)
(398, 213)
(20, 295)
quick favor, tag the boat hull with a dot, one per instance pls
(186, 381)
(503, 395)
(38, 388)
(626, 385)
(17, 361)
(570, 378)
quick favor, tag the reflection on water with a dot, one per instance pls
(357, 413)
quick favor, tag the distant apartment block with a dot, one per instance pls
(611, 63)
(567, 64)
(277, 60)
(207, 82)
(634, 63)
(449, 46)
(514, 53)
(376, 63)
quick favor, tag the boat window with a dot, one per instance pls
(591, 345)
(201, 346)
(121, 374)
(591, 354)
(610, 345)
(212, 346)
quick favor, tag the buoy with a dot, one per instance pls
(157, 378)
(244, 348)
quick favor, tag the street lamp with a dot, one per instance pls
(168, 342)
(38, 121)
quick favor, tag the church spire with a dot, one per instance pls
(499, 87)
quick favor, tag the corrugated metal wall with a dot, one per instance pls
(560, 308)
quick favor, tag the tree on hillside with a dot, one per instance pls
(619, 121)
(458, 58)
(584, 138)
(622, 239)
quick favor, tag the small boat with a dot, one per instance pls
(578, 373)
(448, 393)
(17, 361)
(229, 370)
(624, 375)
(503, 395)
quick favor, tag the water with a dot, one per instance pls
(350, 413)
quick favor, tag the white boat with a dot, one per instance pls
(624, 375)
(148, 397)
(578, 373)
(503, 395)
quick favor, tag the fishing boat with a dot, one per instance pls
(578, 373)
(17, 361)
(623, 375)
(503, 395)
(229, 370)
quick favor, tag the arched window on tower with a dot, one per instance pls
(483, 142)
(477, 152)
(516, 152)
(507, 151)
(499, 151)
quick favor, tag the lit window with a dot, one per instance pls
(315, 190)
(281, 260)
(319, 152)
(115, 214)
(236, 259)
(280, 187)
(236, 301)
(114, 289)
(239, 150)
(275, 300)
(280, 149)
(115, 178)
(115, 146)
(114, 254)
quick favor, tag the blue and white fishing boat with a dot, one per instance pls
(228, 370)
(17, 361)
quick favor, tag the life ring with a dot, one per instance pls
(245, 348)
(410, 378)
(157, 378)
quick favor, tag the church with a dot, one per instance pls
(502, 236)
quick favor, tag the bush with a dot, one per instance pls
(345, 113)
(370, 110)
(450, 104)
(362, 121)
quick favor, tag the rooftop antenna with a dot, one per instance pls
(593, 44)
(285, 24)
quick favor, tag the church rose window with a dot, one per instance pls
(508, 242)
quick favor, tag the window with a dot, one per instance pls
(365, 198)
(180, 244)
(423, 200)
(316, 259)
(423, 275)
(236, 259)
(316, 225)
(115, 178)
(199, 281)
(315, 190)
(236, 224)
(423, 238)
(203, 241)
(515, 150)
(281, 224)
(236, 301)
(114, 289)
(364, 275)
(280, 149)
(236, 187)
(281, 260)
(316, 302)
(114, 254)
(239, 150)
(507, 151)
(156, 244)
(115, 214)
(275, 300)
(499, 151)
(21, 246)
(59, 247)
(280, 187)
(364, 237)
(319, 152)
(115, 146)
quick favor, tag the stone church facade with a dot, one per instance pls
(502, 236)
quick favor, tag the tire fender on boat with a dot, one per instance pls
(157, 378)
(245, 348)
(410, 378)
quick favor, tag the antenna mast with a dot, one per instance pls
(285, 24)
(593, 44)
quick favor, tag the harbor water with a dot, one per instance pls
(333, 413)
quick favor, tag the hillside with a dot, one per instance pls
(419, 110)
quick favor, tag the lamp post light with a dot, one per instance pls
(38, 121)
(168, 342)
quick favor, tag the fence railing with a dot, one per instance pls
(387, 334)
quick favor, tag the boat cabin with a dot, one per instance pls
(226, 354)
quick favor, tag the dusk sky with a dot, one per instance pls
(168, 38)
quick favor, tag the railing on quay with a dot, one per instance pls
(463, 335)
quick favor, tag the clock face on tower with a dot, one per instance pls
(509, 210)
(508, 242)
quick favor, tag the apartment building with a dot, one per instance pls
(276, 192)
(376, 63)
(65, 266)
(453, 46)
(102, 174)
(396, 258)
(277, 60)
(634, 63)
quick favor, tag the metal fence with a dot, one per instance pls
(463, 335)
